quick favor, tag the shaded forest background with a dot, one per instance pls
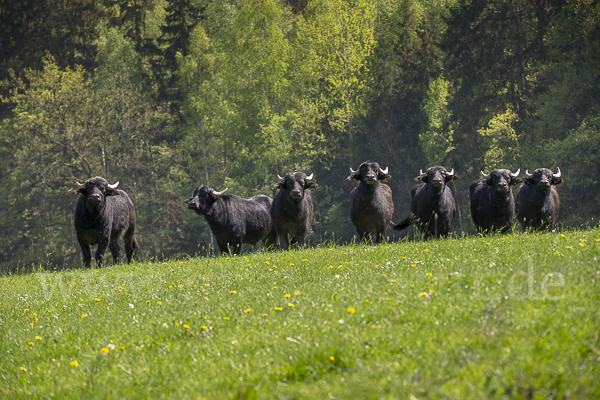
(165, 95)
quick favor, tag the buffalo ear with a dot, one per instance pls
(383, 177)
(528, 181)
(451, 178)
(421, 178)
(80, 191)
(556, 181)
(279, 185)
(311, 185)
(514, 181)
(112, 192)
(354, 178)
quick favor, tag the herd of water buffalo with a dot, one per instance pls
(104, 215)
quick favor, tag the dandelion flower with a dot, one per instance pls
(430, 290)
(186, 326)
(74, 364)
(179, 286)
(404, 258)
(27, 309)
(104, 350)
(287, 295)
(30, 344)
(83, 315)
(581, 244)
(263, 315)
(38, 338)
(247, 310)
(176, 323)
(278, 308)
(292, 264)
(266, 262)
(413, 265)
(96, 299)
(428, 274)
(422, 294)
(562, 235)
(120, 287)
(226, 318)
(393, 281)
(122, 348)
(426, 250)
(569, 247)
(331, 266)
(206, 327)
(159, 303)
(170, 286)
(297, 293)
(332, 358)
(232, 292)
(351, 310)
(206, 284)
(147, 301)
(291, 305)
(23, 369)
(274, 287)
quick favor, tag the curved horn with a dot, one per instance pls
(484, 175)
(558, 174)
(220, 193)
(278, 177)
(308, 178)
(113, 186)
(79, 185)
(352, 172)
(384, 171)
(420, 171)
(527, 174)
(451, 172)
(516, 173)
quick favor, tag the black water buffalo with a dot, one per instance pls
(537, 199)
(292, 208)
(492, 202)
(371, 205)
(103, 216)
(234, 220)
(432, 206)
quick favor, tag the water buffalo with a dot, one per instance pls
(537, 199)
(103, 216)
(432, 206)
(492, 202)
(371, 205)
(292, 208)
(234, 220)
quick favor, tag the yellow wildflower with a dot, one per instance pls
(104, 350)
(428, 274)
(332, 358)
(96, 299)
(38, 338)
(120, 287)
(74, 364)
(413, 265)
(247, 310)
(226, 318)
(351, 310)
(278, 308)
(83, 315)
(297, 293)
(23, 369)
(291, 305)
(422, 294)
(274, 287)
(232, 292)
(205, 327)
(287, 295)
(159, 303)
(30, 344)
(186, 326)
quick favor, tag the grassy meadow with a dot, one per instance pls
(514, 316)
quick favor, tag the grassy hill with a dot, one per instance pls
(499, 317)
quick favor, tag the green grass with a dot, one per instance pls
(499, 317)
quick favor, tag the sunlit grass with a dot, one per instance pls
(495, 317)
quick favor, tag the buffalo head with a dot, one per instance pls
(95, 191)
(203, 199)
(543, 178)
(369, 173)
(295, 183)
(437, 177)
(501, 179)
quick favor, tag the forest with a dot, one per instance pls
(166, 95)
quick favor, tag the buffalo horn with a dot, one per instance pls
(113, 186)
(516, 173)
(308, 178)
(384, 171)
(420, 172)
(527, 174)
(80, 185)
(451, 172)
(484, 175)
(558, 174)
(220, 193)
(280, 178)
(352, 172)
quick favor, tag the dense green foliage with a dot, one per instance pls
(165, 95)
(512, 316)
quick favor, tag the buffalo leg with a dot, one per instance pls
(115, 250)
(87, 254)
(130, 246)
(100, 251)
